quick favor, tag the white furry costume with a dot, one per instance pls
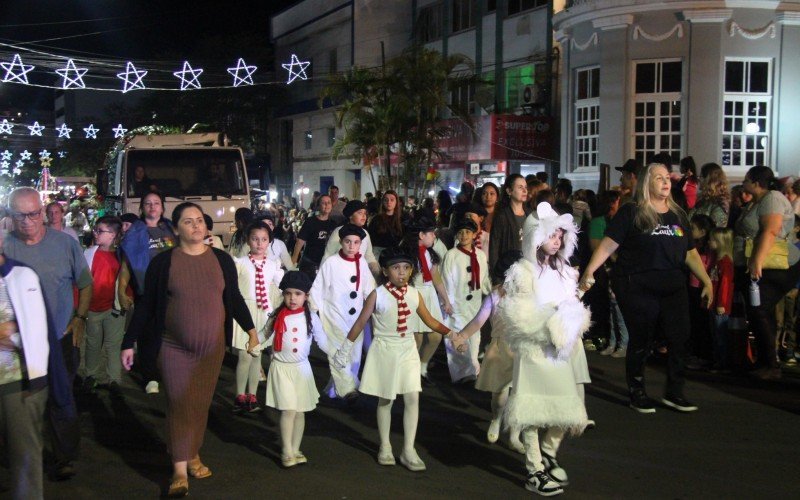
(544, 320)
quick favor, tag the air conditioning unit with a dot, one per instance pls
(531, 94)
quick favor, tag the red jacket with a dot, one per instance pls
(722, 279)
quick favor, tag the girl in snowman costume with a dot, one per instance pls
(544, 321)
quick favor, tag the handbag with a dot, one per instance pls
(778, 256)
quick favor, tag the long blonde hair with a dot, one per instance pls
(723, 239)
(646, 216)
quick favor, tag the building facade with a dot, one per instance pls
(709, 79)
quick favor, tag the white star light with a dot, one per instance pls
(4, 164)
(63, 131)
(35, 129)
(62, 154)
(22, 75)
(299, 73)
(75, 82)
(247, 79)
(18, 170)
(132, 78)
(91, 132)
(192, 81)
(6, 155)
(44, 154)
(25, 155)
(5, 127)
(119, 131)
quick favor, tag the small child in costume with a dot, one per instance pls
(393, 365)
(543, 323)
(465, 272)
(721, 245)
(342, 283)
(290, 381)
(497, 368)
(258, 276)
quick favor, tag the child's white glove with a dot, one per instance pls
(342, 356)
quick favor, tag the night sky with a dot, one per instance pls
(139, 30)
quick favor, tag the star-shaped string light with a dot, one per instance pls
(296, 73)
(44, 154)
(62, 154)
(4, 164)
(132, 78)
(189, 81)
(91, 132)
(6, 126)
(18, 167)
(119, 131)
(20, 76)
(25, 155)
(35, 129)
(241, 66)
(46, 162)
(63, 131)
(6, 155)
(75, 82)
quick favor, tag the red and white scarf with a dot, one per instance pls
(262, 297)
(402, 308)
(475, 268)
(280, 326)
(423, 264)
(356, 259)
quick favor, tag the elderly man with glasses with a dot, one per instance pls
(59, 262)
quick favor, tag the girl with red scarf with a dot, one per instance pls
(290, 381)
(465, 271)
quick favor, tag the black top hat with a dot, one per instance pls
(297, 280)
(393, 255)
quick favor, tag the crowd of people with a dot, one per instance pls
(519, 280)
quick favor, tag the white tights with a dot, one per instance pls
(410, 420)
(248, 371)
(499, 400)
(550, 441)
(292, 424)
(427, 343)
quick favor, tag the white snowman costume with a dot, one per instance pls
(544, 322)
(456, 273)
(429, 296)
(334, 244)
(246, 272)
(290, 381)
(338, 293)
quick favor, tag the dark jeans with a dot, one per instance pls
(700, 343)
(651, 301)
(773, 285)
(64, 432)
(599, 301)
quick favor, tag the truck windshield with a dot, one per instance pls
(185, 172)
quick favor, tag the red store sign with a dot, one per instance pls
(499, 137)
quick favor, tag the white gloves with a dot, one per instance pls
(342, 356)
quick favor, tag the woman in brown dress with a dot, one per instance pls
(191, 298)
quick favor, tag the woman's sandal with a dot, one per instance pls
(178, 488)
(198, 470)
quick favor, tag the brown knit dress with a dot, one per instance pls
(192, 349)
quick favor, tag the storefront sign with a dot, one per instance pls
(499, 137)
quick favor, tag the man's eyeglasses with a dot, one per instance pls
(20, 216)
(101, 231)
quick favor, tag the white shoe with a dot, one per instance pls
(608, 350)
(554, 470)
(412, 462)
(385, 455)
(620, 353)
(151, 387)
(542, 484)
(493, 434)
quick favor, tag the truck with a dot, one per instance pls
(199, 167)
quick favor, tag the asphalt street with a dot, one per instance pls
(742, 443)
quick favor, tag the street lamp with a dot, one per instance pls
(302, 190)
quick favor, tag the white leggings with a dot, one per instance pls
(550, 441)
(410, 420)
(248, 371)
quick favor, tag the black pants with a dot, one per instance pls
(773, 285)
(64, 431)
(651, 301)
(599, 302)
(700, 343)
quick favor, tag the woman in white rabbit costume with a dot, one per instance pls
(545, 322)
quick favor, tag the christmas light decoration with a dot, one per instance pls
(132, 78)
(4, 164)
(18, 169)
(35, 129)
(299, 73)
(25, 155)
(6, 155)
(241, 66)
(63, 131)
(62, 154)
(46, 162)
(91, 132)
(75, 82)
(119, 131)
(189, 82)
(11, 75)
(44, 154)
(5, 127)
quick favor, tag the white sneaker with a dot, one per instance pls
(608, 350)
(385, 455)
(412, 462)
(151, 387)
(554, 470)
(620, 353)
(493, 434)
(542, 484)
